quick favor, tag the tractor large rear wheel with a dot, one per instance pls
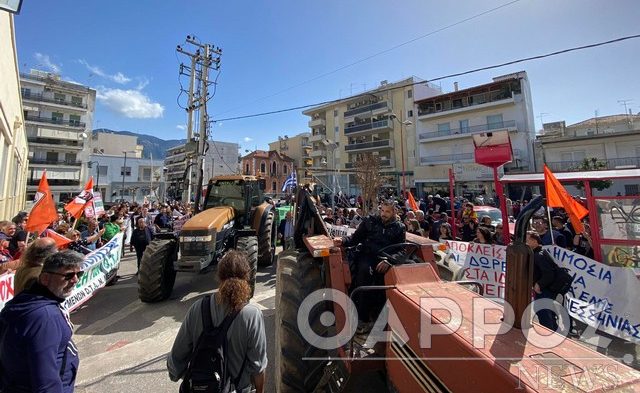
(249, 244)
(266, 242)
(157, 275)
(298, 275)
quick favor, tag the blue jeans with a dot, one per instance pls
(546, 317)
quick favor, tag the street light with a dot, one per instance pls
(402, 123)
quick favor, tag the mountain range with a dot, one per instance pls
(152, 145)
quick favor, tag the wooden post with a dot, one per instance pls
(518, 282)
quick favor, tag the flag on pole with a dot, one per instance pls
(412, 202)
(290, 182)
(44, 211)
(61, 241)
(77, 205)
(557, 196)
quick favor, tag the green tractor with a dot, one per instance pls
(235, 215)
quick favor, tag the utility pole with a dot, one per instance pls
(205, 57)
(626, 110)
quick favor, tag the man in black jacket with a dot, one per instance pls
(544, 269)
(373, 234)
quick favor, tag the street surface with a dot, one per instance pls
(123, 342)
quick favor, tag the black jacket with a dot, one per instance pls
(374, 235)
(544, 268)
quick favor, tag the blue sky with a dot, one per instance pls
(126, 50)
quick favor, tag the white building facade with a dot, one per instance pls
(445, 124)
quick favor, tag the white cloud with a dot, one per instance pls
(45, 61)
(118, 77)
(247, 139)
(142, 83)
(181, 127)
(129, 103)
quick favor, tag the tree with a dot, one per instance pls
(369, 179)
(593, 164)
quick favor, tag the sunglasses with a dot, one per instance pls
(68, 276)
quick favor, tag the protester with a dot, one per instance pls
(559, 224)
(31, 263)
(19, 239)
(445, 232)
(543, 275)
(77, 243)
(37, 353)
(498, 236)
(163, 220)
(247, 342)
(111, 228)
(541, 226)
(483, 236)
(92, 234)
(140, 239)
(582, 243)
(413, 226)
(5, 254)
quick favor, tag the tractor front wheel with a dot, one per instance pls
(157, 275)
(249, 245)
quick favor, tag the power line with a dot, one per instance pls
(362, 60)
(438, 78)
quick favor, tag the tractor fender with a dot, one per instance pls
(260, 215)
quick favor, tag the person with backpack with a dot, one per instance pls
(544, 275)
(222, 342)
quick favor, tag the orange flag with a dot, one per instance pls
(412, 202)
(44, 210)
(557, 196)
(61, 241)
(77, 205)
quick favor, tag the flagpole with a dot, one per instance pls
(550, 227)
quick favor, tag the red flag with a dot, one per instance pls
(412, 202)
(61, 241)
(77, 205)
(44, 210)
(557, 196)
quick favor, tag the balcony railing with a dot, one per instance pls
(56, 142)
(446, 158)
(612, 163)
(51, 79)
(463, 102)
(49, 120)
(367, 126)
(41, 98)
(43, 161)
(368, 145)
(54, 182)
(469, 130)
(383, 163)
(366, 108)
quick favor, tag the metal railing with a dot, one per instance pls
(469, 130)
(367, 126)
(51, 79)
(446, 158)
(383, 163)
(368, 145)
(49, 120)
(611, 163)
(54, 182)
(44, 161)
(57, 142)
(472, 100)
(42, 98)
(366, 108)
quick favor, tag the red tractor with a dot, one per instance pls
(432, 341)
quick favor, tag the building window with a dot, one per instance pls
(631, 189)
(52, 157)
(444, 129)
(77, 101)
(464, 126)
(56, 116)
(125, 171)
(146, 174)
(494, 122)
(74, 120)
(102, 170)
(335, 113)
(273, 186)
(70, 158)
(274, 169)
(263, 167)
(3, 173)
(284, 170)
(59, 97)
(410, 113)
(26, 92)
(409, 93)
(246, 171)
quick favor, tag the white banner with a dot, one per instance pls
(99, 267)
(602, 296)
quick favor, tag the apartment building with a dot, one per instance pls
(58, 117)
(221, 158)
(298, 148)
(445, 124)
(271, 165)
(613, 140)
(379, 122)
(13, 138)
(113, 144)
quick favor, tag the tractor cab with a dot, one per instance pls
(242, 193)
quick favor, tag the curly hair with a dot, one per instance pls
(233, 273)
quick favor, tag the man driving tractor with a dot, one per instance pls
(373, 234)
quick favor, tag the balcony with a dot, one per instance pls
(65, 144)
(509, 124)
(435, 108)
(44, 161)
(52, 79)
(447, 158)
(384, 163)
(39, 97)
(318, 137)
(376, 125)
(612, 163)
(49, 120)
(371, 109)
(369, 145)
(317, 122)
(54, 182)
(318, 153)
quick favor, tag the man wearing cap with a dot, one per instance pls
(36, 350)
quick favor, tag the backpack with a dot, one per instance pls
(562, 279)
(207, 371)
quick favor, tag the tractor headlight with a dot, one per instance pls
(189, 239)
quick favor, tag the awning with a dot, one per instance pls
(574, 176)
